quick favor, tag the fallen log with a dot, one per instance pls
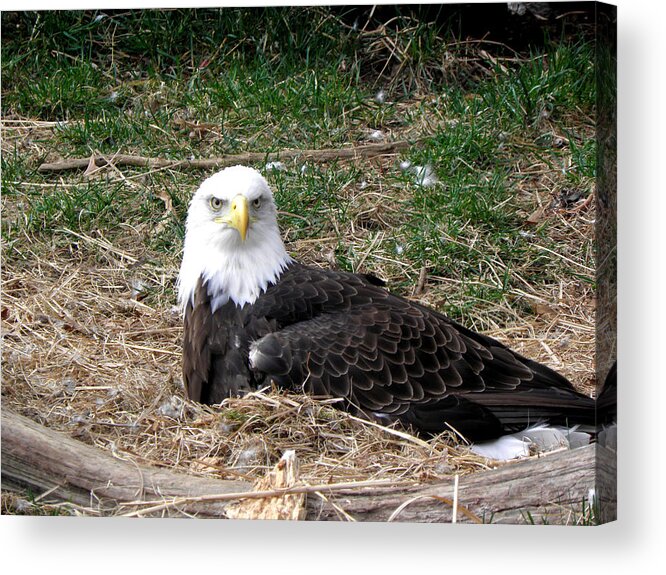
(550, 489)
(41, 460)
(556, 488)
(322, 155)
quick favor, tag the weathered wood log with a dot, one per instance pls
(40, 460)
(322, 155)
(551, 489)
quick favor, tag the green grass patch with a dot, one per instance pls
(144, 81)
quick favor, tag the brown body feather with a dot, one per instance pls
(343, 335)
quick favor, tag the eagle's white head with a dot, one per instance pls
(232, 239)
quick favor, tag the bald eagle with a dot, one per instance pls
(253, 315)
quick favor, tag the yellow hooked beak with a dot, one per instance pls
(238, 216)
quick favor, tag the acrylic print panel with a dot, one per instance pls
(460, 157)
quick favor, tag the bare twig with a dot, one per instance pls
(160, 505)
(323, 155)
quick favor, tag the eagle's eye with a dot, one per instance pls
(256, 202)
(216, 203)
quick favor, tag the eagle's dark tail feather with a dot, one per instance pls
(487, 415)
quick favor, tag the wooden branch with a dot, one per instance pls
(323, 155)
(549, 489)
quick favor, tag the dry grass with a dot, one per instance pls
(83, 355)
(84, 352)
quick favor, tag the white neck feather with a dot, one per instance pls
(233, 270)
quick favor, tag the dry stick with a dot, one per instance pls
(157, 505)
(447, 501)
(391, 430)
(420, 285)
(323, 155)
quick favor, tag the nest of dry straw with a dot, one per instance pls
(83, 355)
